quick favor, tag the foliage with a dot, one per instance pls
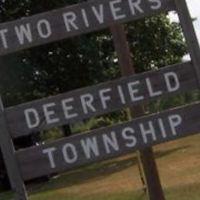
(82, 60)
(50, 135)
(118, 179)
(155, 42)
(93, 123)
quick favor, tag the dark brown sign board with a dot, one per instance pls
(74, 20)
(105, 143)
(190, 34)
(96, 100)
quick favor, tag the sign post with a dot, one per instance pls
(131, 91)
(74, 20)
(8, 151)
(189, 33)
(146, 156)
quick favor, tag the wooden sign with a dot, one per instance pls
(88, 102)
(105, 143)
(74, 20)
(101, 144)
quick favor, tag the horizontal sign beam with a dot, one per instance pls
(74, 20)
(92, 101)
(102, 144)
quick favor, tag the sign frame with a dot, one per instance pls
(6, 143)
(73, 20)
(125, 92)
(110, 142)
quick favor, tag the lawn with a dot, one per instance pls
(118, 179)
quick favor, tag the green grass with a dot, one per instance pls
(118, 179)
(116, 196)
(6, 196)
(187, 192)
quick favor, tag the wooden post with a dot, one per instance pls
(152, 180)
(189, 33)
(8, 152)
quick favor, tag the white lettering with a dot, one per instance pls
(110, 142)
(162, 127)
(85, 18)
(67, 108)
(157, 5)
(90, 146)
(32, 117)
(104, 98)
(49, 113)
(127, 134)
(74, 156)
(174, 122)
(99, 14)
(133, 91)
(172, 81)
(3, 37)
(24, 32)
(121, 94)
(44, 24)
(115, 10)
(150, 89)
(135, 5)
(86, 101)
(148, 131)
(49, 153)
(69, 19)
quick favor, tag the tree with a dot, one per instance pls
(83, 60)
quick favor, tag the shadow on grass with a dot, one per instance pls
(95, 171)
(184, 192)
(6, 195)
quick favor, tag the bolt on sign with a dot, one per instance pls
(70, 107)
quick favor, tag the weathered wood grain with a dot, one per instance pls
(190, 35)
(16, 118)
(105, 143)
(86, 17)
(10, 161)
